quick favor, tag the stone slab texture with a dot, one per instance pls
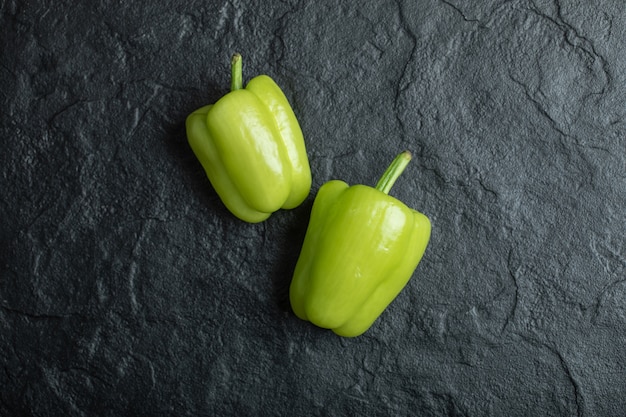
(127, 289)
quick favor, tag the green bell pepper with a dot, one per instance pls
(251, 147)
(360, 249)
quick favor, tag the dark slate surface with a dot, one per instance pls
(127, 289)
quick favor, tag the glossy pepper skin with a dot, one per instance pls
(252, 148)
(360, 249)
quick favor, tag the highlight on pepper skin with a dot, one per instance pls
(251, 148)
(361, 248)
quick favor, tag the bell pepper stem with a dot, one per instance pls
(394, 170)
(236, 77)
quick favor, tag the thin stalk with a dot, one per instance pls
(236, 77)
(393, 172)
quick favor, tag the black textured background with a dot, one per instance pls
(127, 289)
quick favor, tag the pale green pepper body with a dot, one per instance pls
(252, 149)
(361, 248)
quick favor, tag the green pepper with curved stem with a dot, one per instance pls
(360, 249)
(252, 148)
